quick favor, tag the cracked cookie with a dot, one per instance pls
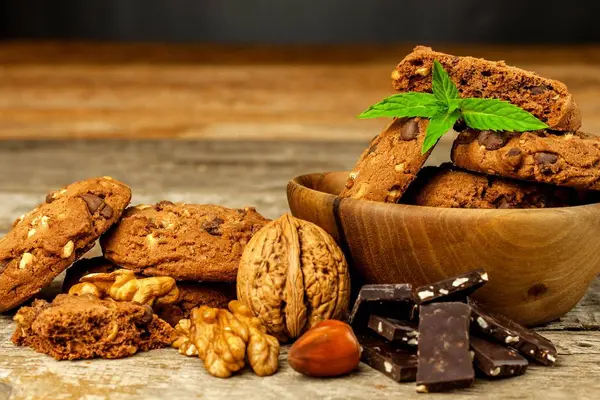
(82, 327)
(570, 159)
(453, 188)
(184, 241)
(547, 99)
(191, 294)
(48, 239)
(390, 163)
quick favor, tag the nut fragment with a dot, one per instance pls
(26, 260)
(423, 71)
(86, 288)
(222, 339)
(122, 285)
(292, 275)
(67, 251)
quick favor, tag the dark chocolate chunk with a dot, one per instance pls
(504, 330)
(545, 158)
(467, 136)
(213, 226)
(459, 126)
(394, 330)
(410, 130)
(93, 202)
(492, 140)
(388, 300)
(452, 289)
(50, 197)
(495, 360)
(394, 362)
(539, 89)
(106, 211)
(444, 358)
(148, 314)
(513, 152)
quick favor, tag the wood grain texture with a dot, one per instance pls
(233, 174)
(93, 90)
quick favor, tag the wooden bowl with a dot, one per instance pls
(540, 261)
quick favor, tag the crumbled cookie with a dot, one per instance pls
(570, 159)
(390, 163)
(48, 239)
(453, 188)
(547, 99)
(191, 294)
(82, 327)
(183, 241)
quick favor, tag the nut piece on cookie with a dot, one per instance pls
(83, 327)
(45, 241)
(223, 338)
(122, 285)
(183, 241)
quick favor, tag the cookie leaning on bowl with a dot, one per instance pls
(191, 294)
(569, 159)
(450, 187)
(48, 239)
(547, 99)
(184, 241)
(390, 163)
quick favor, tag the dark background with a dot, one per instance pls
(303, 21)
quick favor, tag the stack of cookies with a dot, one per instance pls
(548, 168)
(199, 246)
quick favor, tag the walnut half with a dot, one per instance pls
(292, 275)
(122, 285)
(223, 339)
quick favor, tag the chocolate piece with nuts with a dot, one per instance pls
(495, 360)
(82, 327)
(396, 363)
(456, 288)
(396, 331)
(506, 331)
(386, 169)
(388, 300)
(44, 242)
(292, 276)
(444, 359)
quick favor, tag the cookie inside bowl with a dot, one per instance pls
(540, 261)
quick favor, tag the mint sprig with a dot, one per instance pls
(444, 107)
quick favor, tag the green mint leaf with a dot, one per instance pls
(454, 104)
(443, 88)
(409, 104)
(438, 126)
(498, 115)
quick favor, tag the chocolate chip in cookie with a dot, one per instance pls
(492, 140)
(410, 130)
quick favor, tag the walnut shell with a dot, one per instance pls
(292, 275)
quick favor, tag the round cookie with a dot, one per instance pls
(390, 163)
(453, 188)
(184, 241)
(51, 237)
(570, 159)
(191, 294)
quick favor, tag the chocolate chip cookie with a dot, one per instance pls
(82, 327)
(390, 163)
(48, 239)
(454, 188)
(183, 241)
(547, 99)
(569, 159)
(191, 294)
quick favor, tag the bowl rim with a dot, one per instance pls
(411, 207)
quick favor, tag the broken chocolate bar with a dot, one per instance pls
(394, 330)
(389, 300)
(495, 360)
(451, 289)
(444, 358)
(394, 362)
(504, 330)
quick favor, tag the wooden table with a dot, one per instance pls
(304, 98)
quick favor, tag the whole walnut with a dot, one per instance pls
(292, 275)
